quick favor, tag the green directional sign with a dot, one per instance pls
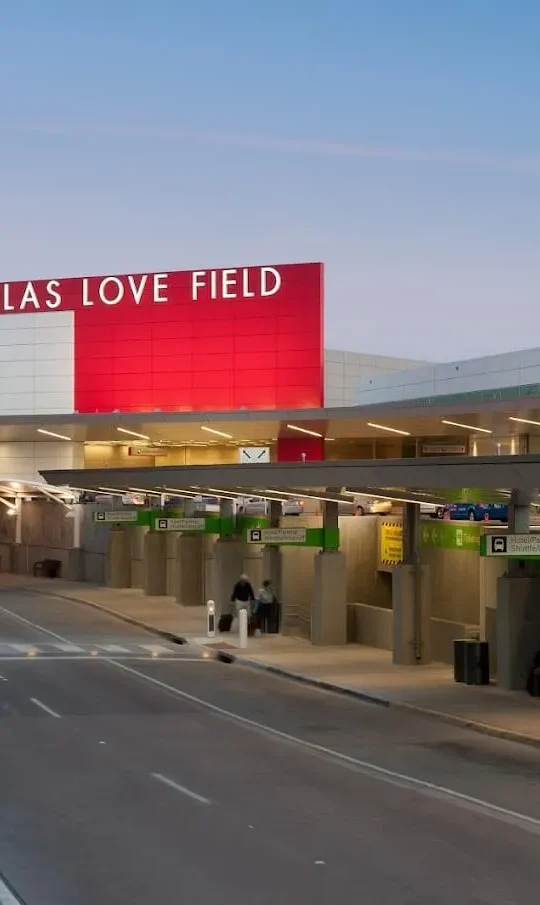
(450, 535)
(295, 537)
(123, 516)
(515, 546)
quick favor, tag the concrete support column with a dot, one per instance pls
(155, 564)
(189, 588)
(518, 627)
(411, 598)
(272, 558)
(228, 560)
(518, 606)
(118, 560)
(329, 609)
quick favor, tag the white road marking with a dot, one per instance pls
(44, 707)
(40, 628)
(374, 771)
(6, 896)
(69, 648)
(174, 785)
(24, 648)
(114, 648)
(156, 648)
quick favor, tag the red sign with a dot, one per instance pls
(248, 337)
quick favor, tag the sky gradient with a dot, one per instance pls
(398, 141)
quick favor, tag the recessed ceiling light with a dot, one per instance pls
(124, 430)
(41, 430)
(525, 421)
(303, 430)
(212, 430)
(392, 430)
(469, 427)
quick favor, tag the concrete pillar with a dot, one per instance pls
(155, 564)
(189, 588)
(329, 609)
(518, 626)
(411, 598)
(228, 560)
(411, 603)
(18, 519)
(118, 560)
(519, 513)
(272, 558)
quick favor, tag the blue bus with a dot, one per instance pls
(478, 512)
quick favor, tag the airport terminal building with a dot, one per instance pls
(176, 383)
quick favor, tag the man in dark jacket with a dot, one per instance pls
(242, 596)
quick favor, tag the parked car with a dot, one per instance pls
(433, 510)
(368, 506)
(478, 512)
(255, 505)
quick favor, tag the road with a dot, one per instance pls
(133, 770)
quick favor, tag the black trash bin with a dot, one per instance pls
(471, 661)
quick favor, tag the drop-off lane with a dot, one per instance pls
(108, 831)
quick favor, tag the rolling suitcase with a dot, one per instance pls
(225, 622)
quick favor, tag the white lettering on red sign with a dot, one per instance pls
(202, 285)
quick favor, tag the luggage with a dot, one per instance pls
(225, 622)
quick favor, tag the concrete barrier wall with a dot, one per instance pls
(455, 582)
(370, 625)
(443, 633)
(6, 557)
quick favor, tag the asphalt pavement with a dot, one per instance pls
(130, 774)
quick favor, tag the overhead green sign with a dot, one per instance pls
(123, 516)
(206, 524)
(295, 537)
(451, 535)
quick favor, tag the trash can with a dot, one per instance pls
(471, 661)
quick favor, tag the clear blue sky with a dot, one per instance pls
(396, 140)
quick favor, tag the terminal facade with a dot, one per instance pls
(112, 382)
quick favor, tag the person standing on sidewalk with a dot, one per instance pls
(242, 596)
(266, 607)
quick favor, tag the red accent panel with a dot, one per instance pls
(191, 340)
(290, 449)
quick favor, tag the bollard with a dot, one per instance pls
(242, 628)
(211, 619)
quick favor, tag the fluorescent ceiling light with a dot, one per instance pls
(176, 492)
(41, 430)
(142, 490)
(469, 427)
(313, 496)
(212, 430)
(226, 494)
(113, 490)
(525, 421)
(124, 430)
(393, 499)
(303, 430)
(392, 430)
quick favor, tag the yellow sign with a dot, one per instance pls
(391, 543)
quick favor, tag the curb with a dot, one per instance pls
(151, 629)
(367, 698)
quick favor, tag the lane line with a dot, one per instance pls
(6, 895)
(39, 628)
(69, 648)
(155, 648)
(44, 707)
(54, 658)
(114, 648)
(371, 770)
(178, 788)
(25, 648)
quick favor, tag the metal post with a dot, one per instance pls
(211, 619)
(243, 628)
(18, 519)
(411, 556)
(77, 511)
